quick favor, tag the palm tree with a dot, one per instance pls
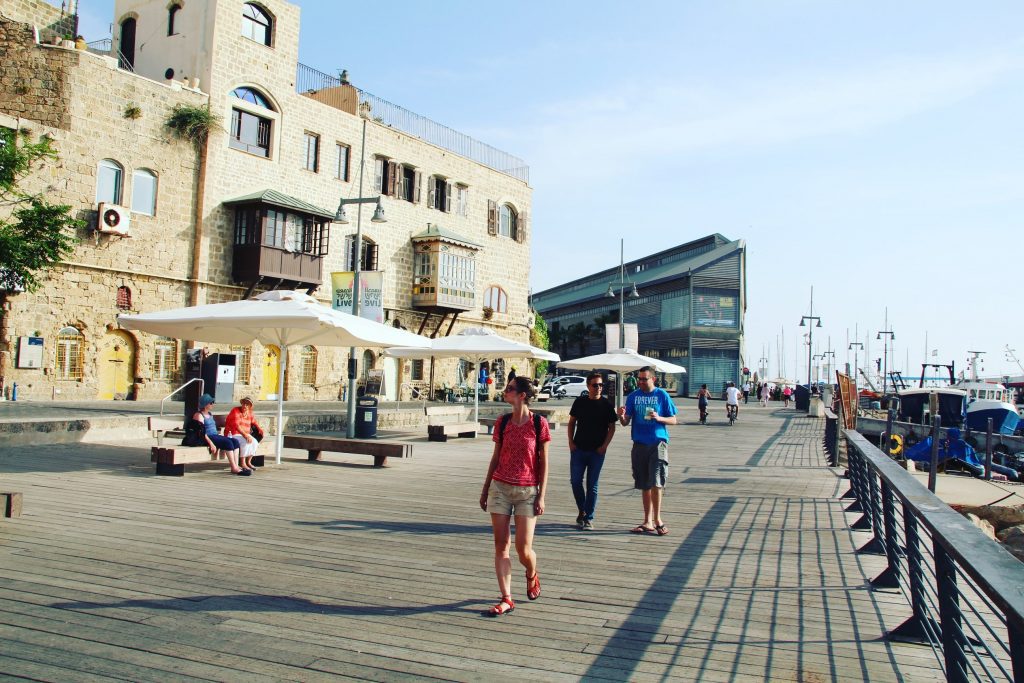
(580, 334)
(557, 340)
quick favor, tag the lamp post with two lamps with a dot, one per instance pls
(357, 257)
(829, 360)
(622, 307)
(859, 347)
(810, 340)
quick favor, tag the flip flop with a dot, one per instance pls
(661, 530)
(641, 529)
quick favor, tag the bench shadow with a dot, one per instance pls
(398, 527)
(121, 461)
(272, 604)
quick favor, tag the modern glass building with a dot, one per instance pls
(690, 309)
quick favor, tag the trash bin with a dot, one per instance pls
(366, 417)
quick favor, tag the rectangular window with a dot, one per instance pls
(463, 200)
(243, 363)
(440, 194)
(250, 133)
(144, 192)
(410, 181)
(165, 360)
(417, 371)
(312, 152)
(344, 156)
(273, 234)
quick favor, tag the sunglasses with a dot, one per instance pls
(646, 379)
(597, 384)
(509, 389)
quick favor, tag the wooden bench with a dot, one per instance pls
(10, 504)
(491, 422)
(445, 421)
(171, 460)
(380, 450)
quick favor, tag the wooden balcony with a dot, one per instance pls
(253, 262)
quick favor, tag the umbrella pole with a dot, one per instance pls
(476, 398)
(280, 401)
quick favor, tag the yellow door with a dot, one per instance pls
(271, 361)
(115, 365)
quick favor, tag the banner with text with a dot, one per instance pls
(611, 336)
(371, 293)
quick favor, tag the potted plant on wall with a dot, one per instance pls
(488, 312)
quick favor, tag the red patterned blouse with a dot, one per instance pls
(517, 460)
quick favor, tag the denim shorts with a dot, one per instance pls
(507, 499)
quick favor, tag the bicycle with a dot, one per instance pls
(733, 412)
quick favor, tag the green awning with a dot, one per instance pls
(280, 199)
(436, 232)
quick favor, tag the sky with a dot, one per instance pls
(871, 151)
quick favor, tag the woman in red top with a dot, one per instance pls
(517, 478)
(238, 425)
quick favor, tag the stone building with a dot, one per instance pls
(251, 209)
(689, 307)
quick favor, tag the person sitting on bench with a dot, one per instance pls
(213, 440)
(241, 426)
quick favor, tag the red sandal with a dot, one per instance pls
(504, 607)
(533, 586)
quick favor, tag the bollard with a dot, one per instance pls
(988, 451)
(933, 468)
(14, 392)
(890, 417)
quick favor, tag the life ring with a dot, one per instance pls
(895, 444)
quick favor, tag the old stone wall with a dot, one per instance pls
(47, 18)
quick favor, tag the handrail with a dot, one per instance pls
(963, 588)
(412, 394)
(194, 379)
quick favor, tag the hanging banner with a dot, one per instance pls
(611, 337)
(371, 293)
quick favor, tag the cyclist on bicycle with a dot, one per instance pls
(732, 401)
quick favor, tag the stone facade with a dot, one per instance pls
(182, 255)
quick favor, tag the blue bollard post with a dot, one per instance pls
(14, 392)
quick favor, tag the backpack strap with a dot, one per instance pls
(536, 428)
(507, 417)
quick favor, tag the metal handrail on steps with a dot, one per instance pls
(194, 379)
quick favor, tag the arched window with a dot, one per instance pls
(250, 132)
(70, 347)
(369, 358)
(144, 191)
(109, 181)
(256, 24)
(126, 45)
(172, 13)
(496, 299)
(508, 221)
(308, 370)
(165, 360)
(124, 298)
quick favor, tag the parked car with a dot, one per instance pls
(569, 385)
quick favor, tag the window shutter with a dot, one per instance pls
(521, 227)
(432, 197)
(394, 168)
(492, 217)
(447, 207)
(263, 133)
(378, 175)
(417, 180)
(371, 257)
(325, 233)
(308, 235)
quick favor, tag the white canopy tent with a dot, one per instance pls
(282, 318)
(475, 345)
(620, 361)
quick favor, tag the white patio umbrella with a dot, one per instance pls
(281, 318)
(621, 360)
(475, 344)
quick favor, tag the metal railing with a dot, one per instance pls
(832, 437)
(310, 81)
(194, 379)
(105, 48)
(964, 590)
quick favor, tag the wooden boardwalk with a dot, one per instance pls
(322, 571)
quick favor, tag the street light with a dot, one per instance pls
(357, 257)
(860, 348)
(885, 353)
(622, 308)
(828, 364)
(810, 340)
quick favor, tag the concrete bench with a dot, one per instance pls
(491, 422)
(380, 450)
(445, 421)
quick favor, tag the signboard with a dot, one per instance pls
(374, 381)
(371, 293)
(848, 396)
(30, 352)
(611, 336)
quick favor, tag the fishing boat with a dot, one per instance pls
(914, 405)
(988, 400)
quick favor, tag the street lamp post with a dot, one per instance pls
(357, 257)
(860, 347)
(889, 336)
(622, 308)
(831, 355)
(810, 339)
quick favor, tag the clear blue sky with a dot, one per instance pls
(871, 150)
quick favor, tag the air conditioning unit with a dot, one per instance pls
(112, 219)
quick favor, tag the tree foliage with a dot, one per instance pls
(539, 338)
(35, 235)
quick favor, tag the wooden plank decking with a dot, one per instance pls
(344, 570)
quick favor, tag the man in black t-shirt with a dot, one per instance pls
(591, 428)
